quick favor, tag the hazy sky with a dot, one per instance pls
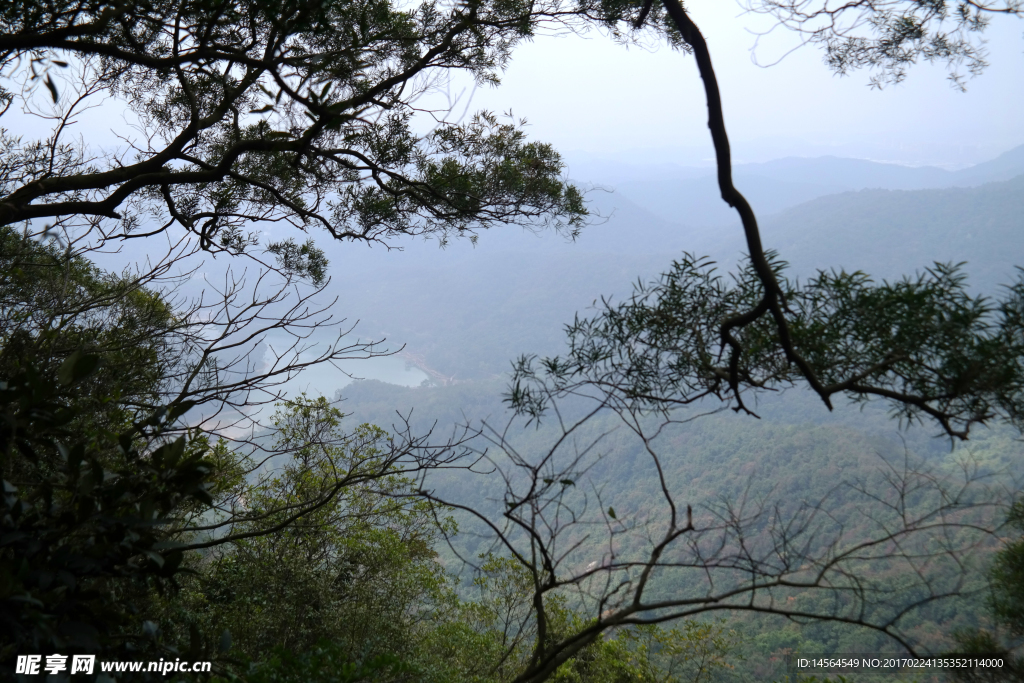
(594, 99)
(592, 96)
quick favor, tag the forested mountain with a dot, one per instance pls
(466, 311)
(889, 233)
(690, 195)
(798, 452)
(211, 213)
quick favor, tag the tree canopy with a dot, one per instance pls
(314, 113)
(923, 345)
(889, 36)
(298, 112)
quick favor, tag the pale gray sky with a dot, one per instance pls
(593, 98)
(589, 95)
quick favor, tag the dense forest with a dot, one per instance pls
(796, 453)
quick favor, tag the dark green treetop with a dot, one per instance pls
(298, 112)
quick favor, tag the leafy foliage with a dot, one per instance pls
(1008, 577)
(298, 112)
(326, 662)
(1006, 603)
(922, 344)
(305, 260)
(356, 567)
(95, 472)
(889, 36)
(54, 303)
(86, 533)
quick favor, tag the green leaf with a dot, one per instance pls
(157, 558)
(611, 513)
(179, 409)
(77, 366)
(195, 642)
(167, 545)
(51, 87)
(225, 641)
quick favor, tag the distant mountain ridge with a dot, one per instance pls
(469, 311)
(889, 233)
(861, 174)
(690, 198)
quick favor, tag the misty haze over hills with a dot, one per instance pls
(466, 311)
(690, 195)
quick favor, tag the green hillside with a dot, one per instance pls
(888, 232)
(468, 311)
(797, 454)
